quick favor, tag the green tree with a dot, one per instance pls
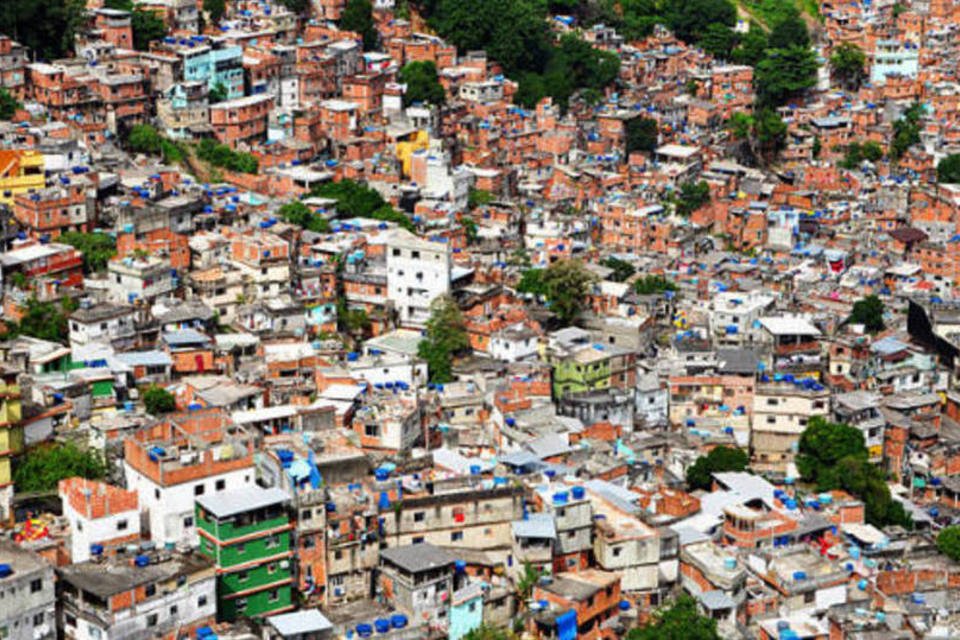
(681, 621)
(298, 213)
(8, 104)
(43, 466)
(653, 284)
(144, 138)
(479, 198)
(906, 131)
(642, 134)
(445, 337)
(567, 283)
(422, 82)
(97, 248)
(360, 201)
(470, 230)
(147, 27)
(692, 196)
(784, 74)
(218, 93)
(752, 47)
(158, 400)
(357, 16)
(296, 6)
(531, 281)
(822, 445)
(771, 134)
(948, 542)
(527, 581)
(689, 19)
(948, 169)
(789, 32)
(848, 64)
(700, 473)
(215, 9)
(622, 270)
(46, 27)
(44, 320)
(868, 312)
(718, 40)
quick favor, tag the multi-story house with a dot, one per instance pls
(180, 459)
(572, 512)
(241, 120)
(795, 346)
(418, 272)
(103, 519)
(46, 213)
(734, 316)
(588, 601)
(21, 171)
(781, 412)
(29, 601)
(103, 323)
(152, 595)
(458, 513)
(247, 533)
(418, 579)
(11, 437)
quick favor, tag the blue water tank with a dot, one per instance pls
(624, 605)
(5, 570)
(398, 621)
(475, 469)
(142, 561)
(96, 549)
(364, 630)
(578, 493)
(382, 625)
(460, 566)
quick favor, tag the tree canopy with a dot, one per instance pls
(653, 284)
(356, 200)
(690, 19)
(158, 400)
(790, 31)
(906, 131)
(445, 336)
(221, 155)
(46, 465)
(642, 134)
(834, 456)
(357, 16)
(47, 27)
(700, 473)
(567, 283)
(784, 74)
(681, 621)
(868, 311)
(848, 64)
(622, 270)
(44, 320)
(8, 104)
(948, 169)
(948, 542)
(147, 27)
(422, 82)
(692, 196)
(97, 248)
(215, 9)
(297, 213)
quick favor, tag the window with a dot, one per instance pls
(272, 541)
(36, 585)
(456, 536)
(188, 522)
(415, 255)
(396, 252)
(38, 619)
(221, 485)
(417, 540)
(241, 548)
(773, 402)
(338, 555)
(305, 514)
(121, 525)
(274, 595)
(371, 429)
(243, 576)
(173, 610)
(616, 552)
(240, 604)
(156, 493)
(272, 568)
(198, 490)
(152, 620)
(419, 516)
(150, 590)
(472, 607)
(202, 601)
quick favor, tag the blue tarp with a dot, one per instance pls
(567, 625)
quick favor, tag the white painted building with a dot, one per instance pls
(418, 271)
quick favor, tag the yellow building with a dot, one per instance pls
(21, 171)
(418, 141)
(11, 439)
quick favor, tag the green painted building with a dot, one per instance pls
(591, 367)
(247, 534)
